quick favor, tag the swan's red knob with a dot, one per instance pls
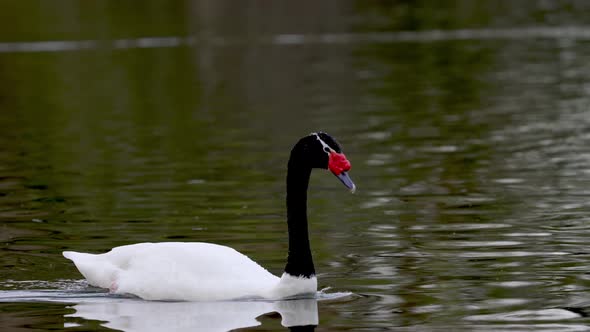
(338, 163)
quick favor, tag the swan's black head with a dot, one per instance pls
(320, 150)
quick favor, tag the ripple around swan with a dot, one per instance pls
(62, 285)
(476, 244)
(527, 315)
(494, 254)
(555, 327)
(529, 320)
(67, 291)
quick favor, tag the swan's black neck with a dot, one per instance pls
(299, 260)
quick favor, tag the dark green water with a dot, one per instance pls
(467, 126)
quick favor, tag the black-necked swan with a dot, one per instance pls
(200, 271)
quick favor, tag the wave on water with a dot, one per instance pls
(519, 33)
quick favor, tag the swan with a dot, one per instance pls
(199, 271)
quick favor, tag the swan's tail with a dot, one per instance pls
(71, 255)
(98, 271)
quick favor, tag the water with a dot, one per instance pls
(467, 128)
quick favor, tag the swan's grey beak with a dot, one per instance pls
(344, 178)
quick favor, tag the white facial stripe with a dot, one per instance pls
(327, 149)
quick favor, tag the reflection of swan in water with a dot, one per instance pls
(136, 315)
(132, 314)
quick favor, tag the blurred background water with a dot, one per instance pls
(466, 123)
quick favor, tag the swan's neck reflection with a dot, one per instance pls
(136, 315)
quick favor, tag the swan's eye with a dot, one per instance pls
(327, 149)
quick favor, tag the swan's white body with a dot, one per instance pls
(185, 271)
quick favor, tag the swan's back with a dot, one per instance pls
(176, 271)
